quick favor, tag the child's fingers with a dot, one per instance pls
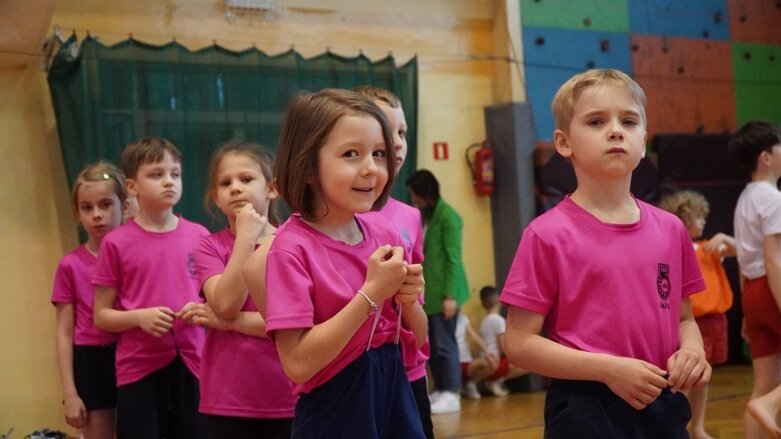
(414, 269)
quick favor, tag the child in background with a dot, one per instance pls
(251, 397)
(335, 283)
(756, 147)
(406, 220)
(622, 339)
(473, 370)
(708, 307)
(492, 330)
(144, 281)
(85, 354)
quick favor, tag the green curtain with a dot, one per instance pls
(106, 97)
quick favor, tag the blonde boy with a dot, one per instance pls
(609, 277)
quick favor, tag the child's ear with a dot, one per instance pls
(561, 142)
(130, 185)
(271, 191)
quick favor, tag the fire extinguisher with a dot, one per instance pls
(482, 167)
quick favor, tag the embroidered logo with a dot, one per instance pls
(191, 266)
(663, 286)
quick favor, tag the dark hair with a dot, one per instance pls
(751, 140)
(260, 155)
(488, 296)
(424, 185)
(99, 171)
(147, 150)
(309, 119)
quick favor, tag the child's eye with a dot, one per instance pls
(247, 179)
(380, 153)
(85, 207)
(350, 153)
(224, 183)
(402, 134)
(595, 122)
(176, 175)
(631, 122)
(106, 204)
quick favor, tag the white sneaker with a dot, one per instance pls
(448, 402)
(434, 396)
(470, 390)
(497, 387)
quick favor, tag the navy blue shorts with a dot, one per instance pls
(95, 376)
(588, 409)
(161, 405)
(371, 398)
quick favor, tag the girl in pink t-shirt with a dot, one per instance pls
(244, 391)
(337, 286)
(85, 353)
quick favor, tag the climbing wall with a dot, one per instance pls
(707, 66)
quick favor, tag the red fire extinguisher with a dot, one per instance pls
(482, 167)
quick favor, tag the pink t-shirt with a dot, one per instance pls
(310, 277)
(406, 220)
(150, 269)
(241, 375)
(72, 286)
(608, 288)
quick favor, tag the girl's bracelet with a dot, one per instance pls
(372, 305)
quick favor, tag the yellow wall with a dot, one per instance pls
(453, 39)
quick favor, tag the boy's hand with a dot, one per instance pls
(412, 287)
(156, 321)
(688, 368)
(637, 382)
(202, 314)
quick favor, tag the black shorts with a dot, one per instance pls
(248, 428)
(163, 404)
(588, 409)
(95, 376)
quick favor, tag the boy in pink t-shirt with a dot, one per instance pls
(144, 280)
(608, 276)
(406, 221)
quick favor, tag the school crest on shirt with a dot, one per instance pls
(663, 286)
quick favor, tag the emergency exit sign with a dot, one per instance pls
(440, 151)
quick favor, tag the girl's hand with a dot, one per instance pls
(412, 288)
(385, 273)
(156, 321)
(202, 314)
(75, 412)
(250, 225)
(635, 381)
(688, 368)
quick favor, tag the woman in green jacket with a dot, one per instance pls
(446, 287)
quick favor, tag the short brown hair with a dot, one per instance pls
(99, 171)
(309, 119)
(146, 150)
(563, 104)
(260, 155)
(686, 205)
(378, 94)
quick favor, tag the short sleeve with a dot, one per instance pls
(289, 301)
(108, 269)
(532, 281)
(208, 262)
(63, 290)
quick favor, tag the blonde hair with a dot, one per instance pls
(99, 171)
(686, 205)
(378, 94)
(563, 104)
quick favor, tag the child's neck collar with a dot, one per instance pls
(349, 232)
(158, 222)
(608, 209)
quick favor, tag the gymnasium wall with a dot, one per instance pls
(707, 66)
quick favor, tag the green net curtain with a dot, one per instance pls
(106, 97)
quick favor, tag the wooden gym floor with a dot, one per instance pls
(519, 415)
